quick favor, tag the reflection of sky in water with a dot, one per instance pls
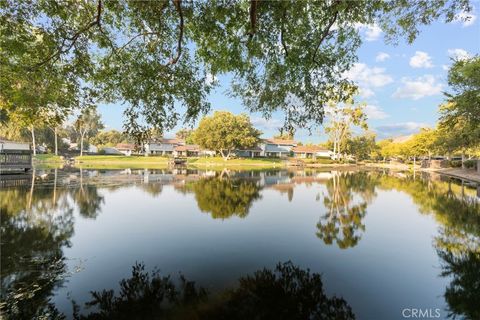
(393, 265)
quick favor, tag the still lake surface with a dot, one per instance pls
(383, 241)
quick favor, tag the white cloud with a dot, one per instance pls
(368, 78)
(372, 32)
(421, 60)
(466, 18)
(366, 92)
(445, 67)
(418, 88)
(402, 128)
(458, 54)
(382, 56)
(270, 124)
(375, 112)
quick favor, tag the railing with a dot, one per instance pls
(15, 160)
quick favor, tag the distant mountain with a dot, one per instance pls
(401, 139)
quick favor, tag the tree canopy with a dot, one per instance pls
(225, 132)
(460, 116)
(161, 58)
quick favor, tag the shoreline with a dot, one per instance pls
(146, 162)
(465, 174)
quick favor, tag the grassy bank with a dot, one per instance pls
(247, 162)
(102, 161)
(47, 158)
(120, 159)
(121, 162)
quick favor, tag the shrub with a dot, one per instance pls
(470, 164)
(455, 163)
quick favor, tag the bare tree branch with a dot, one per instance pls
(178, 7)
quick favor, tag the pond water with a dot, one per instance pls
(385, 243)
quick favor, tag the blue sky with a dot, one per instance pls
(402, 85)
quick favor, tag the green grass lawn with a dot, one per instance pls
(319, 161)
(218, 161)
(150, 159)
(103, 161)
(122, 159)
(47, 158)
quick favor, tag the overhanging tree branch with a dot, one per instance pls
(253, 17)
(282, 32)
(56, 55)
(178, 7)
(326, 31)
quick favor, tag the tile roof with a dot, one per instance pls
(308, 149)
(173, 141)
(188, 147)
(129, 146)
(251, 149)
(280, 141)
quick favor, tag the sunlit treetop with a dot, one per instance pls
(162, 57)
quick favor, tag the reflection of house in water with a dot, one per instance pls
(285, 188)
(317, 177)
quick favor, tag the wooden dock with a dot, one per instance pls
(178, 161)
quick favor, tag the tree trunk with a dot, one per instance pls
(55, 189)
(81, 145)
(478, 166)
(225, 158)
(32, 130)
(414, 162)
(56, 141)
(463, 160)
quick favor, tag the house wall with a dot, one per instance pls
(318, 154)
(324, 154)
(248, 153)
(126, 152)
(160, 148)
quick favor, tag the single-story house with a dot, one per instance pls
(277, 148)
(163, 147)
(307, 152)
(111, 151)
(249, 152)
(126, 148)
(272, 148)
(191, 150)
(87, 148)
(188, 150)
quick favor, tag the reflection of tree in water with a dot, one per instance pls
(342, 222)
(224, 197)
(287, 292)
(457, 210)
(152, 188)
(463, 293)
(35, 225)
(88, 200)
(458, 246)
